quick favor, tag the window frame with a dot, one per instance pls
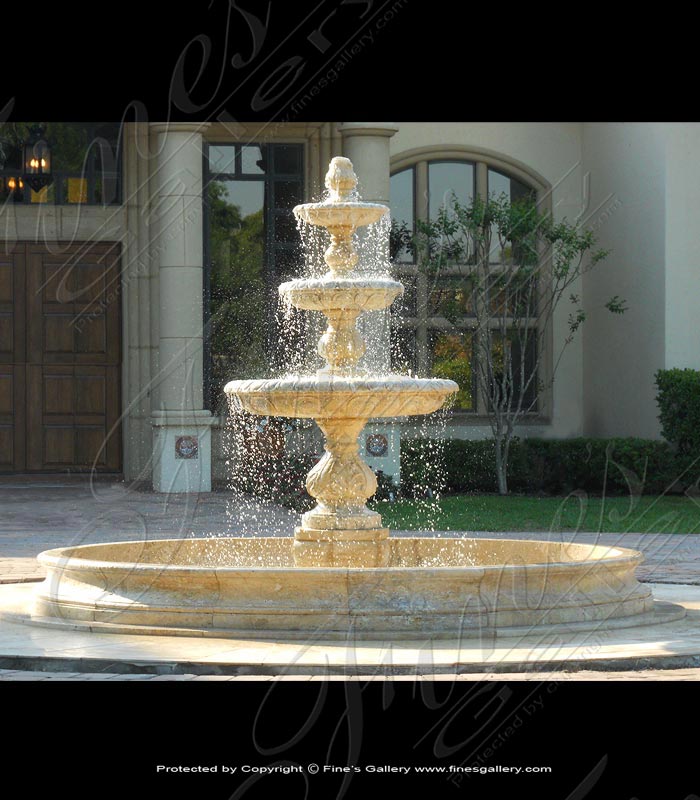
(483, 160)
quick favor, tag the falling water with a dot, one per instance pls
(266, 458)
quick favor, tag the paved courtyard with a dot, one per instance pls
(40, 516)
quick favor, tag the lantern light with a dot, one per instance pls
(37, 159)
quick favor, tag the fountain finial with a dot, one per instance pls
(341, 179)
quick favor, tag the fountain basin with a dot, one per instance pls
(349, 294)
(325, 396)
(250, 587)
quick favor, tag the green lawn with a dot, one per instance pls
(648, 514)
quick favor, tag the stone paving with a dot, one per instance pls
(40, 516)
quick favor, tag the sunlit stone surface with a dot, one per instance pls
(429, 586)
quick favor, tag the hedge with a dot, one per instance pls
(678, 399)
(551, 466)
(536, 466)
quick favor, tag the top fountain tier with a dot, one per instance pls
(339, 210)
(341, 216)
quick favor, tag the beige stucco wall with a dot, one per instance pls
(682, 245)
(553, 151)
(636, 170)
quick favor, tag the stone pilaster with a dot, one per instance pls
(367, 145)
(182, 427)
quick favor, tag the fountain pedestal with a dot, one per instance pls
(341, 530)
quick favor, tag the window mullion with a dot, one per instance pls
(481, 400)
(421, 211)
(482, 180)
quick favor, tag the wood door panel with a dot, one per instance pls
(74, 417)
(12, 418)
(7, 309)
(60, 356)
(74, 300)
(12, 305)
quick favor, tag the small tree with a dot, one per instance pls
(516, 264)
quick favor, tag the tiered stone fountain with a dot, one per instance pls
(341, 530)
(342, 572)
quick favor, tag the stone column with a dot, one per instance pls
(367, 145)
(182, 427)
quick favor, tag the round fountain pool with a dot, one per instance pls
(432, 587)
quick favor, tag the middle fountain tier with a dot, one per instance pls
(340, 530)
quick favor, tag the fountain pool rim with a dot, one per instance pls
(70, 557)
(422, 600)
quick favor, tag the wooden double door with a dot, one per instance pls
(60, 355)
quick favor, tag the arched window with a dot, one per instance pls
(424, 340)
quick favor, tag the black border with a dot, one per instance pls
(113, 62)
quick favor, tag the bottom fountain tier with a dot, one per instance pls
(341, 531)
(251, 587)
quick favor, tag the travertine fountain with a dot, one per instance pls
(341, 530)
(341, 573)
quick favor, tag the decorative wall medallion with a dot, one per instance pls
(186, 447)
(377, 444)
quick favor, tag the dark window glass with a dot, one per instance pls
(403, 350)
(252, 246)
(513, 293)
(451, 297)
(518, 374)
(512, 286)
(75, 190)
(447, 180)
(106, 188)
(287, 159)
(287, 194)
(451, 357)
(402, 201)
(288, 263)
(500, 183)
(285, 228)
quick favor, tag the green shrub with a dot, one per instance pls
(678, 399)
(551, 466)
(616, 466)
(386, 488)
(283, 481)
